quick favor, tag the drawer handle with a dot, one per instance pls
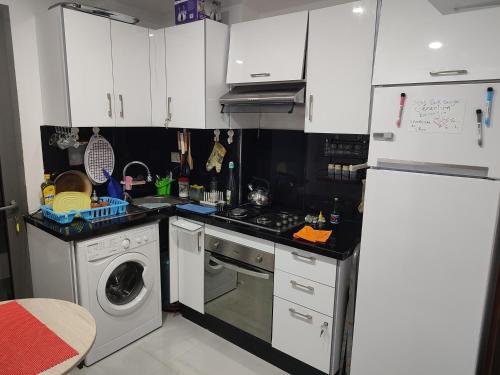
(297, 285)
(309, 258)
(257, 75)
(440, 73)
(295, 312)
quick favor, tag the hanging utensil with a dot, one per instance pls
(99, 155)
(190, 158)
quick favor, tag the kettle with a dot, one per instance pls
(259, 195)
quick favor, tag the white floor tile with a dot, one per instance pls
(181, 347)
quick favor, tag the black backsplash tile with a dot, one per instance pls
(152, 146)
(292, 161)
(295, 165)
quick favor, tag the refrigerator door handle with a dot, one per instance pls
(388, 136)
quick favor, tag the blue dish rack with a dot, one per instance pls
(116, 207)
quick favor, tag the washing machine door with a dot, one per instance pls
(125, 284)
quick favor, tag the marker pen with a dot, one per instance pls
(479, 116)
(401, 106)
(489, 104)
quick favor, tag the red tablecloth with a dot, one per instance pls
(27, 346)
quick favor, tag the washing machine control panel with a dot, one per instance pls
(121, 242)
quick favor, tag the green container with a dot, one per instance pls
(163, 186)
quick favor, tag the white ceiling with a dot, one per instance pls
(159, 13)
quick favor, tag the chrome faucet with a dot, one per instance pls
(148, 179)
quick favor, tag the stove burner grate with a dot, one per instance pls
(238, 212)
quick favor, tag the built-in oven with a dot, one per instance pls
(239, 283)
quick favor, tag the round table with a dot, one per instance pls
(69, 321)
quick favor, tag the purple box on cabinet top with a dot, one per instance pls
(194, 10)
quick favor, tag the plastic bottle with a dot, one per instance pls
(231, 186)
(48, 190)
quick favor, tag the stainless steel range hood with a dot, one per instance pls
(267, 98)
(97, 12)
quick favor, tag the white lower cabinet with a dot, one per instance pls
(187, 250)
(303, 263)
(302, 333)
(305, 292)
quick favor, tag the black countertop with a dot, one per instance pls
(80, 230)
(340, 245)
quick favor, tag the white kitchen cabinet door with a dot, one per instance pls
(426, 250)
(438, 129)
(196, 70)
(190, 257)
(131, 73)
(268, 49)
(339, 68)
(185, 53)
(302, 333)
(89, 69)
(158, 78)
(417, 43)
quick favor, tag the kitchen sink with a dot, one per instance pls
(157, 201)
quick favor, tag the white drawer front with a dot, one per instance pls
(311, 294)
(303, 263)
(300, 335)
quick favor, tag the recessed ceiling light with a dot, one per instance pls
(435, 45)
(151, 35)
(239, 62)
(358, 10)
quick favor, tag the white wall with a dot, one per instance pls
(28, 89)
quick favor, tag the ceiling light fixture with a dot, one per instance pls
(435, 45)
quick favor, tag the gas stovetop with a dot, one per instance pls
(266, 218)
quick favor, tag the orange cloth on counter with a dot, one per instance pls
(313, 235)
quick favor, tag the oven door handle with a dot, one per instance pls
(244, 271)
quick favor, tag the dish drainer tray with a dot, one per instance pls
(116, 207)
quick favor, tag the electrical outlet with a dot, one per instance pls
(175, 157)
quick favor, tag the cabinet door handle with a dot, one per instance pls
(295, 312)
(169, 113)
(199, 242)
(324, 327)
(297, 285)
(295, 254)
(258, 75)
(120, 97)
(310, 108)
(110, 110)
(441, 73)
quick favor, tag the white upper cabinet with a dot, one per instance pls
(196, 68)
(339, 68)
(93, 71)
(418, 44)
(268, 50)
(158, 77)
(131, 74)
(89, 69)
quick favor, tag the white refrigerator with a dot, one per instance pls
(429, 231)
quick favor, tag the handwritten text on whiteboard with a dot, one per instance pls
(436, 115)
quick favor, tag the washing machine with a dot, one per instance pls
(118, 281)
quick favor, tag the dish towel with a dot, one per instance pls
(313, 235)
(27, 346)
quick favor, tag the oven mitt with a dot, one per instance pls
(216, 157)
(313, 235)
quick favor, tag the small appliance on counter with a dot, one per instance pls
(260, 192)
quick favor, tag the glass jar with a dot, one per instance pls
(183, 187)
